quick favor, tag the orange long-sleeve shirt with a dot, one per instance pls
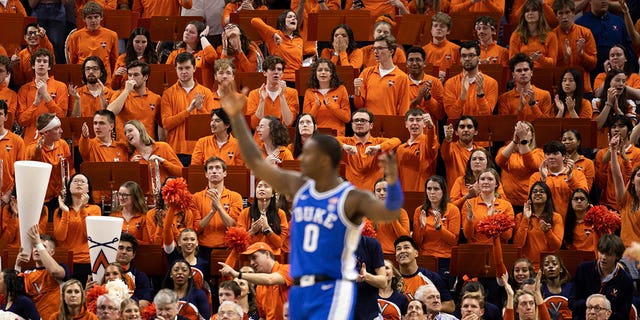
(388, 232)
(171, 166)
(272, 107)
(495, 54)
(23, 72)
(369, 59)
(549, 48)
(363, 170)
(547, 9)
(386, 95)
(244, 61)
(455, 157)
(117, 82)
(208, 146)
(150, 8)
(11, 226)
(496, 6)
(52, 156)
(205, 61)
(15, 151)
(516, 170)
(435, 105)
(234, 7)
(334, 114)
(275, 241)
(444, 54)
(175, 101)
(212, 235)
(480, 210)
(437, 243)
(290, 49)
(585, 61)
(13, 6)
(417, 161)
(102, 43)
(604, 178)
(180, 221)
(311, 6)
(472, 105)
(92, 149)
(630, 230)
(27, 114)
(561, 187)
(459, 190)
(586, 110)
(509, 103)
(70, 230)
(11, 98)
(533, 240)
(143, 108)
(43, 289)
(353, 59)
(89, 103)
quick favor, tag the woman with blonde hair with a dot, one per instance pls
(73, 305)
(533, 36)
(146, 151)
(132, 207)
(391, 300)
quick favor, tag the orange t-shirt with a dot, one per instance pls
(353, 59)
(433, 106)
(205, 61)
(529, 235)
(561, 187)
(455, 157)
(334, 112)
(443, 55)
(385, 95)
(417, 161)
(480, 211)
(290, 48)
(516, 170)
(212, 235)
(23, 72)
(362, 170)
(585, 61)
(15, 151)
(175, 101)
(437, 243)
(143, 107)
(509, 103)
(52, 156)
(70, 231)
(43, 289)
(275, 241)
(495, 54)
(171, 166)
(549, 48)
(27, 115)
(369, 59)
(150, 8)
(272, 107)
(102, 43)
(89, 103)
(271, 299)
(92, 149)
(388, 232)
(208, 147)
(473, 105)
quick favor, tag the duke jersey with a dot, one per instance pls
(323, 240)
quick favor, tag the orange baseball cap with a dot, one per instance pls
(257, 247)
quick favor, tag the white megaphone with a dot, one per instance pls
(32, 179)
(103, 235)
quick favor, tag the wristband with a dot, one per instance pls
(395, 197)
(240, 275)
(40, 246)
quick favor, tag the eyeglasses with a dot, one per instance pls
(124, 195)
(468, 56)
(361, 120)
(596, 308)
(107, 308)
(379, 48)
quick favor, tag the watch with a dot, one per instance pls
(480, 95)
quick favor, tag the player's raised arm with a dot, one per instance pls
(232, 102)
(366, 204)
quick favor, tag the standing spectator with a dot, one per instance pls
(52, 17)
(534, 37)
(456, 154)
(220, 143)
(274, 138)
(572, 140)
(440, 51)
(486, 30)
(189, 301)
(578, 236)
(94, 95)
(150, 8)
(382, 27)
(15, 150)
(556, 279)
(525, 100)
(326, 99)
(466, 186)
(569, 102)
(13, 6)
(303, 8)
(139, 47)
(35, 36)
(305, 127)
(379, 7)
(9, 96)
(425, 91)
(627, 197)
(244, 53)
(132, 208)
(239, 5)
(93, 40)
(417, 157)
(391, 301)
(388, 232)
(195, 42)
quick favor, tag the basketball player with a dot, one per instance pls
(326, 219)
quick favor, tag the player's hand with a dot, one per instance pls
(231, 100)
(389, 162)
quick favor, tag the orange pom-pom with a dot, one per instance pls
(237, 238)
(493, 226)
(92, 296)
(387, 19)
(602, 220)
(368, 230)
(148, 312)
(176, 193)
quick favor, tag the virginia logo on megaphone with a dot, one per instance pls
(101, 260)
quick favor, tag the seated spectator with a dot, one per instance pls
(416, 310)
(139, 47)
(72, 303)
(576, 44)
(425, 91)
(93, 40)
(472, 306)
(559, 174)
(132, 208)
(274, 138)
(572, 140)
(93, 96)
(127, 248)
(430, 296)
(525, 100)
(35, 37)
(185, 248)
(470, 92)
(519, 159)
(182, 297)
(383, 89)
(517, 8)
(17, 303)
(382, 27)
(440, 51)
(598, 307)
(617, 60)
(556, 279)
(486, 30)
(522, 271)
(147, 151)
(534, 37)
(473, 301)
(273, 98)
(417, 156)
(230, 311)
(194, 41)
(112, 272)
(283, 41)
(244, 53)
(129, 310)
(466, 186)
(371, 276)
(343, 51)
(220, 143)
(487, 203)
(391, 301)
(156, 217)
(569, 102)
(305, 128)
(456, 154)
(228, 291)
(108, 307)
(539, 228)
(326, 99)
(578, 236)
(247, 297)
(11, 222)
(102, 148)
(388, 232)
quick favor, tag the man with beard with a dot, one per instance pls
(470, 92)
(490, 51)
(36, 38)
(456, 154)
(417, 157)
(136, 101)
(576, 45)
(361, 151)
(525, 100)
(220, 143)
(42, 95)
(425, 91)
(382, 89)
(93, 96)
